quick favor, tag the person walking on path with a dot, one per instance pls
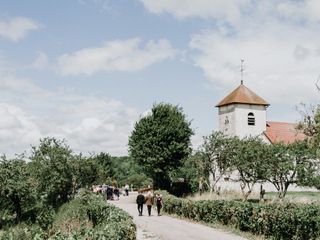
(116, 192)
(126, 189)
(140, 201)
(159, 202)
(149, 202)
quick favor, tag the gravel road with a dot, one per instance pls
(168, 228)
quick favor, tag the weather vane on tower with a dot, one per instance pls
(242, 70)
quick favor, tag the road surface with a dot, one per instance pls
(168, 228)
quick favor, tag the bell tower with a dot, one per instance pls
(242, 113)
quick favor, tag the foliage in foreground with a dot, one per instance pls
(276, 221)
(88, 216)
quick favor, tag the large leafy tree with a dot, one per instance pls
(52, 170)
(15, 185)
(160, 141)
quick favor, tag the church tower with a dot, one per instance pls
(242, 113)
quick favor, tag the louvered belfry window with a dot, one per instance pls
(251, 119)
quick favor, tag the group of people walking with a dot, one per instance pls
(149, 200)
(110, 192)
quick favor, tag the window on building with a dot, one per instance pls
(251, 119)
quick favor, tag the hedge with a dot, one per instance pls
(274, 220)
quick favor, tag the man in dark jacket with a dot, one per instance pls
(140, 201)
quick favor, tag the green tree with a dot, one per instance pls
(215, 152)
(248, 158)
(160, 141)
(15, 185)
(52, 170)
(194, 173)
(310, 124)
(85, 172)
(128, 171)
(287, 165)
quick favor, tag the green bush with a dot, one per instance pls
(88, 216)
(23, 231)
(274, 220)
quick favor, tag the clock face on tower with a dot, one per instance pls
(226, 121)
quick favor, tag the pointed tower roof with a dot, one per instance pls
(243, 95)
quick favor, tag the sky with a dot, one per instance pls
(87, 70)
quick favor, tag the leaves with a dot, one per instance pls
(160, 141)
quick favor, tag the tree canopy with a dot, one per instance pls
(310, 124)
(160, 141)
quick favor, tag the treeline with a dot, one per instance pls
(32, 188)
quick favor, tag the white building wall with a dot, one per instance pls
(226, 120)
(242, 129)
(268, 187)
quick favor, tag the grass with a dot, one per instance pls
(224, 195)
(301, 197)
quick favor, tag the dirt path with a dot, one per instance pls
(168, 228)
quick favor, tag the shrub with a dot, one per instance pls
(88, 216)
(23, 231)
(274, 220)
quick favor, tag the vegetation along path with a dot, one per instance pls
(168, 228)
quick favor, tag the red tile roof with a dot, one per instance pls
(283, 132)
(244, 95)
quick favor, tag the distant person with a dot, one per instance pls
(149, 202)
(200, 186)
(159, 202)
(109, 193)
(140, 201)
(126, 189)
(116, 192)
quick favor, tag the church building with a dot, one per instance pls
(243, 113)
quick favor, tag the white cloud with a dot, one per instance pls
(277, 39)
(300, 10)
(118, 55)
(41, 61)
(233, 11)
(17, 129)
(89, 123)
(227, 9)
(282, 62)
(17, 28)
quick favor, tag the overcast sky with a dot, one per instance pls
(87, 70)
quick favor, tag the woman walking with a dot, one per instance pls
(149, 202)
